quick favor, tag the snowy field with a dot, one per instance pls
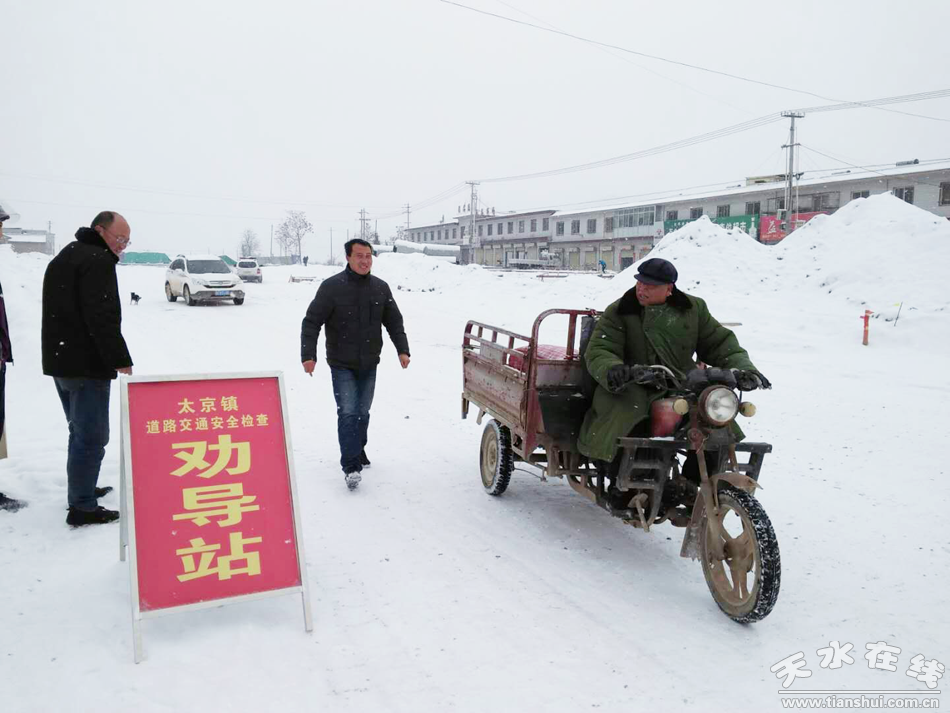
(429, 595)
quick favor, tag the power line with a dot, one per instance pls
(724, 186)
(428, 202)
(879, 103)
(682, 143)
(715, 98)
(719, 133)
(865, 168)
(664, 59)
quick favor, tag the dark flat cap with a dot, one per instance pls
(657, 271)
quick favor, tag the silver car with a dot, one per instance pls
(249, 270)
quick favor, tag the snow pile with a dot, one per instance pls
(877, 252)
(417, 272)
(709, 259)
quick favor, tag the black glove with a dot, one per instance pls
(750, 380)
(645, 376)
(617, 377)
(620, 375)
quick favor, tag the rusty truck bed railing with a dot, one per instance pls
(508, 394)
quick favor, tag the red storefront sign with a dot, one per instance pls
(210, 515)
(770, 226)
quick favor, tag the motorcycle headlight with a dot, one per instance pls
(719, 405)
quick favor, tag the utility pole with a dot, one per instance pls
(471, 221)
(407, 221)
(790, 175)
(363, 220)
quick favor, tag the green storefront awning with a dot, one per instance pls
(745, 223)
(144, 258)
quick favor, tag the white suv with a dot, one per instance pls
(249, 270)
(202, 278)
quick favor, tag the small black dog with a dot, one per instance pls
(135, 298)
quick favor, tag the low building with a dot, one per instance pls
(143, 258)
(503, 237)
(620, 235)
(442, 233)
(758, 205)
(25, 240)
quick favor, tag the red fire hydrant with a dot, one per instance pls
(866, 318)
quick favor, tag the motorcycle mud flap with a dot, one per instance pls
(739, 480)
(690, 546)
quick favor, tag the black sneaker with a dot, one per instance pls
(364, 461)
(102, 492)
(99, 516)
(11, 504)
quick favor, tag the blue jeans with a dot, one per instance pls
(353, 391)
(86, 405)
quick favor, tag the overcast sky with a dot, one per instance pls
(199, 119)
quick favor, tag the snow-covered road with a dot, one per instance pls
(430, 595)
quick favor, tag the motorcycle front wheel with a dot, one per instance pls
(746, 582)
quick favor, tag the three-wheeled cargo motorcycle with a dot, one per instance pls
(537, 396)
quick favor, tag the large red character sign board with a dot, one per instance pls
(209, 492)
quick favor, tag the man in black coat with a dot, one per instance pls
(353, 306)
(83, 348)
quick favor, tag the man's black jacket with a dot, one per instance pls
(82, 317)
(353, 307)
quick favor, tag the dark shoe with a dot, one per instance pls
(102, 492)
(99, 516)
(10, 504)
(364, 461)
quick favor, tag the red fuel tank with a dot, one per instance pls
(663, 419)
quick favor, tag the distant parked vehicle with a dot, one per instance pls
(249, 270)
(542, 262)
(202, 278)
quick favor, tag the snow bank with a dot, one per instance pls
(709, 259)
(417, 272)
(876, 252)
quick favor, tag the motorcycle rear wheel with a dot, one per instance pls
(746, 583)
(495, 459)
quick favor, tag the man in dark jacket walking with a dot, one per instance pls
(353, 305)
(83, 348)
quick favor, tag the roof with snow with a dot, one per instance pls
(819, 178)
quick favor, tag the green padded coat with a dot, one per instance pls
(629, 333)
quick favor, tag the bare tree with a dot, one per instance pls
(250, 245)
(291, 232)
(401, 234)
